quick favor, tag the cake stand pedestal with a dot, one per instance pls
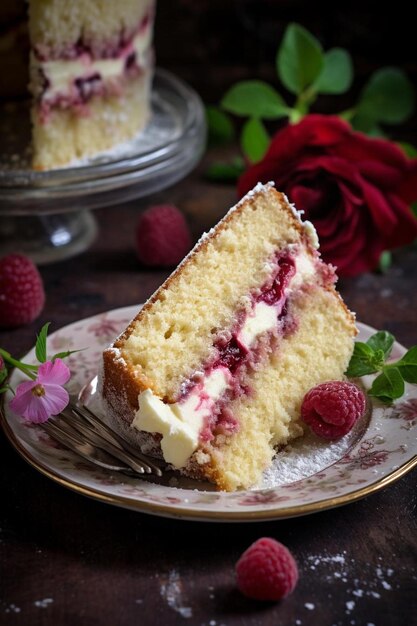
(47, 238)
(47, 215)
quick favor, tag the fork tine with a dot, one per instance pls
(114, 438)
(97, 440)
(86, 451)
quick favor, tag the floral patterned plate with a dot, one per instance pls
(308, 476)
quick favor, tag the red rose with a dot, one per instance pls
(356, 190)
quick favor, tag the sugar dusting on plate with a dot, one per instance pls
(307, 456)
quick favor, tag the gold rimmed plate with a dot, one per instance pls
(307, 477)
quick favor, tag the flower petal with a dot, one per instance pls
(21, 400)
(25, 386)
(30, 406)
(54, 372)
(55, 399)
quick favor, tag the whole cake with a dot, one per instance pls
(211, 373)
(91, 65)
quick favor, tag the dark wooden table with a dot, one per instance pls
(69, 560)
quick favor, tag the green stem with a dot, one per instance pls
(302, 104)
(23, 367)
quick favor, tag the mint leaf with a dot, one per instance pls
(382, 340)
(337, 73)
(227, 172)
(219, 126)
(256, 99)
(408, 365)
(388, 386)
(299, 60)
(388, 97)
(362, 361)
(254, 140)
(40, 347)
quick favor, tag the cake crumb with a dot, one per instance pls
(310, 606)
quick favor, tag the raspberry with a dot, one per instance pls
(22, 295)
(332, 408)
(266, 570)
(162, 236)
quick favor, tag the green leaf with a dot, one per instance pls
(382, 340)
(388, 97)
(64, 355)
(299, 60)
(40, 347)
(362, 361)
(366, 125)
(219, 125)
(225, 172)
(385, 261)
(410, 151)
(254, 140)
(6, 388)
(337, 73)
(408, 365)
(254, 98)
(388, 386)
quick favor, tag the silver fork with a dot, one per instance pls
(83, 432)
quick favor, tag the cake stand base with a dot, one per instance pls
(47, 238)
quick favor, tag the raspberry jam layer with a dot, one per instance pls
(72, 80)
(201, 411)
(236, 351)
(241, 350)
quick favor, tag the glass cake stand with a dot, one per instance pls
(46, 215)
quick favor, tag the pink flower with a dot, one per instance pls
(36, 400)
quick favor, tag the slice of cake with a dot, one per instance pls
(91, 67)
(211, 373)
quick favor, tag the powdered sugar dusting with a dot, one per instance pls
(307, 456)
(339, 572)
(43, 604)
(172, 591)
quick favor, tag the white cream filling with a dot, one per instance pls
(262, 318)
(180, 423)
(311, 233)
(62, 73)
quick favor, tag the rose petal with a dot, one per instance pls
(408, 187)
(380, 174)
(54, 372)
(358, 147)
